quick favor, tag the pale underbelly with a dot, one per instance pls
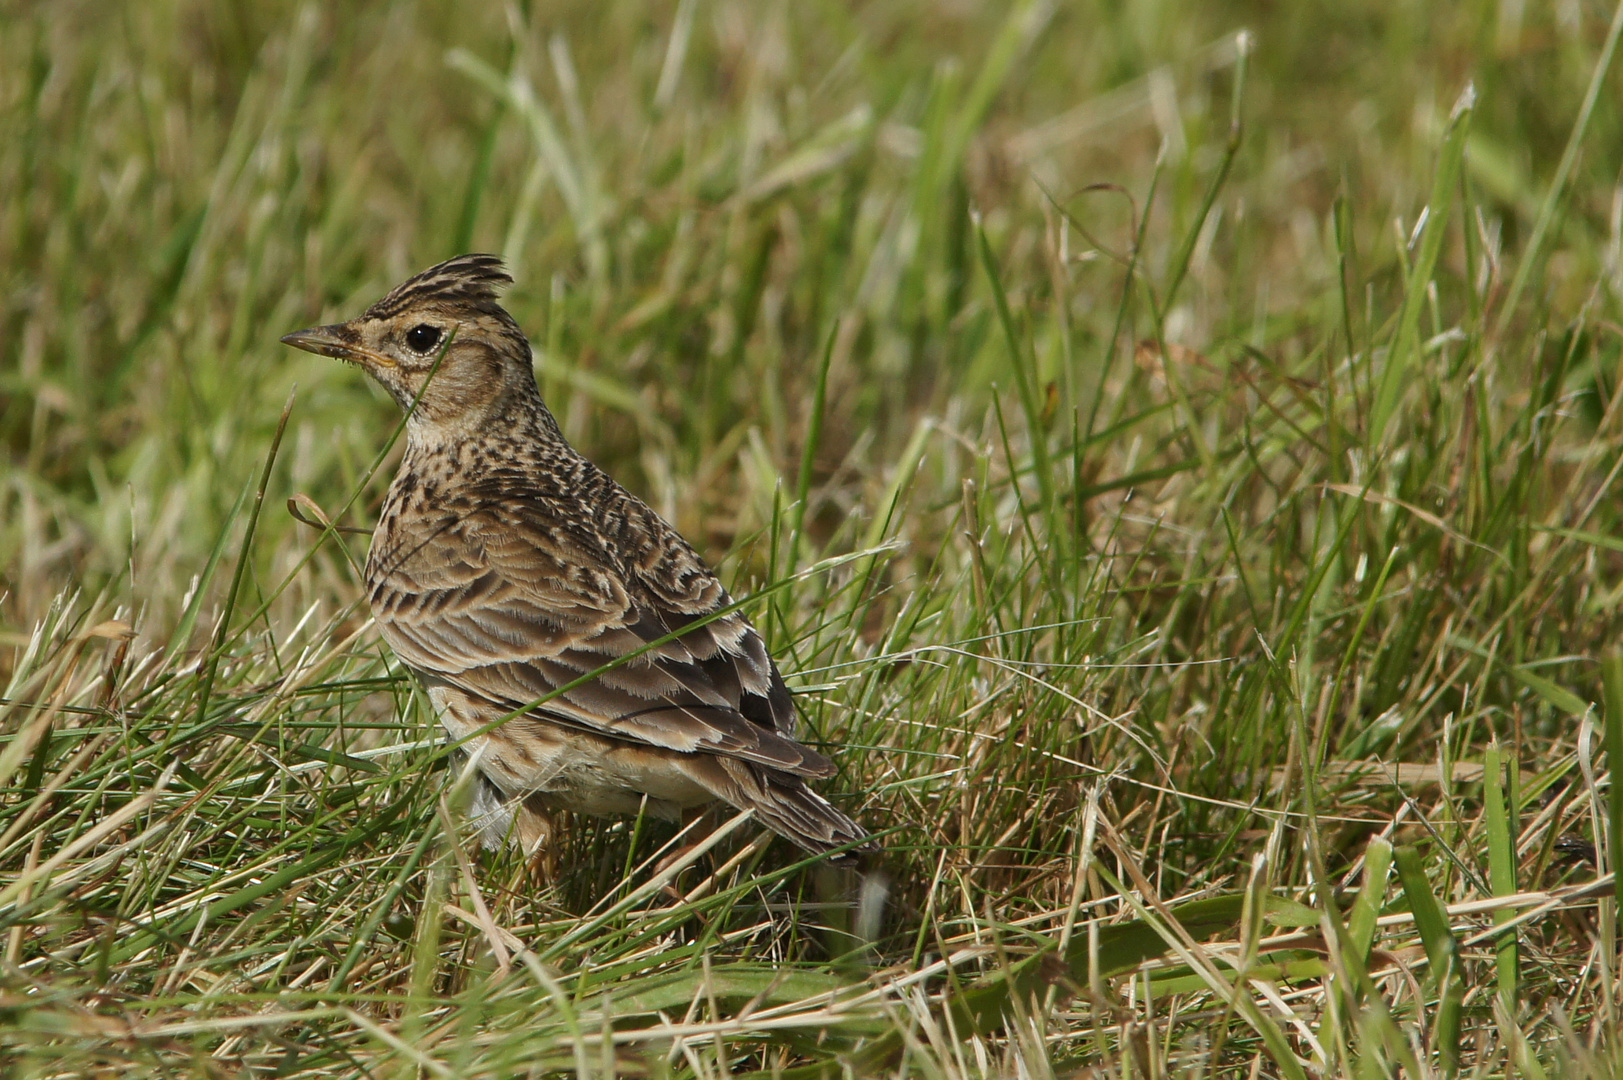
(570, 769)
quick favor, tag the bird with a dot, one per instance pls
(578, 649)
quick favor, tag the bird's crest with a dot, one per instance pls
(470, 280)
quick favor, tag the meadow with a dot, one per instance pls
(1171, 449)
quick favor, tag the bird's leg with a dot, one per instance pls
(694, 833)
(533, 826)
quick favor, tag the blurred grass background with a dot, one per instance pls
(1133, 417)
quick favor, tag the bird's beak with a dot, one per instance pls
(334, 341)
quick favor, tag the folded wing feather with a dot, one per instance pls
(507, 605)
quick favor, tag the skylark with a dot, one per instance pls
(505, 568)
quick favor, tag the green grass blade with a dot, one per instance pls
(206, 686)
(1443, 953)
(1371, 896)
(1019, 356)
(1498, 805)
(1612, 683)
(1403, 353)
(1532, 255)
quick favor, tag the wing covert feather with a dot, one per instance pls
(508, 605)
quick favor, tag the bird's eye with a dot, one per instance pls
(423, 337)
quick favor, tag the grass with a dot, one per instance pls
(1172, 450)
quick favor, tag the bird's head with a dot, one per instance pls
(441, 345)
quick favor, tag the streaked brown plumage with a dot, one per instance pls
(505, 565)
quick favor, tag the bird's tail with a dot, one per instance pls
(783, 803)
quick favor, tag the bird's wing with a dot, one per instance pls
(509, 602)
(675, 587)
